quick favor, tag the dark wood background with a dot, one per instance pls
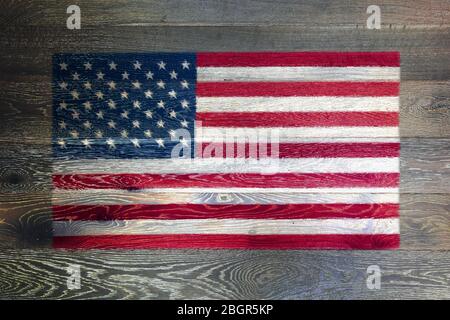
(32, 30)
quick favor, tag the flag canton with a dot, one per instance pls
(122, 105)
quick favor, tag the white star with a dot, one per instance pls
(62, 143)
(172, 133)
(87, 106)
(110, 143)
(184, 84)
(112, 124)
(100, 75)
(99, 134)
(75, 115)
(136, 104)
(185, 64)
(112, 66)
(87, 124)
(173, 74)
(99, 114)
(124, 133)
(124, 95)
(75, 94)
(112, 85)
(160, 142)
(173, 114)
(161, 84)
(148, 94)
(135, 142)
(160, 104)
(63, 85)
(137, 84)
(88, 85)
(62, 125)
(149, 75)
(148, 114)
(136, 124)
(74, 134)
(137, 65)
(88, 66)
(124, 114)
(63, 66)
(148, 133)
(125, 75)
(172, 94)
(184, 123)
(162, 65)
(111, 104)
(160, 124)
(86, 143)
(63, 105)
(99, 95)
(184, 104)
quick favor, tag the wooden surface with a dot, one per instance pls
(34, 29)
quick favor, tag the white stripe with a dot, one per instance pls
(329, 140)
(298, 74)
(227, 226)
(228, 165)
(286, 134)
(260, 190)
(297, 104)
(155, 196)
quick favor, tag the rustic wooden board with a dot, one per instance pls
(423, 164)
(25, 220)
(26, 102)
(222, 274)
(34, 29)
(424, 53)
(311, 13)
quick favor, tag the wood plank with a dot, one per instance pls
(423, 166)
(310, 13)
(424, 53)
(235, 274)
(26, 219)
(26, 102)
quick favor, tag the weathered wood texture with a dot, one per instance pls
(26, 103)
(310, 13)
(423, 164)
(190, 274)
(25, 220)
(424, 53)
(32, 30)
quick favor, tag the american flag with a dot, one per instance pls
(287, 150)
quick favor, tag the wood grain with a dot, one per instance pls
(311, 13)
(210, 274)
(26, 103)
(423, 164)
(423, 52)
(26, 219)
(34, 29)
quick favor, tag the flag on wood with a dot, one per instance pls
(264, 150)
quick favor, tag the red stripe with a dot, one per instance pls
(230, 211)
(225, 180)
(292, 59)
(282, 89)
(297, 119)
(228, 241)
(300, 150)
